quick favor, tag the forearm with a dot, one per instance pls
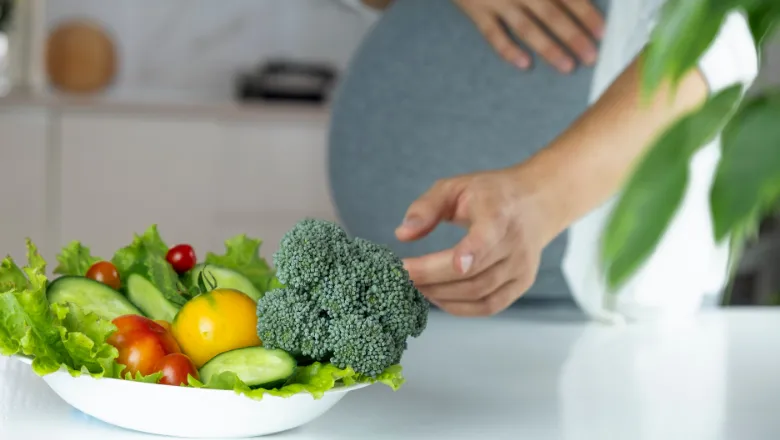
(591, 160)
(377, 4)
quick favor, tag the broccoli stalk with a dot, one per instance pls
(346, 301)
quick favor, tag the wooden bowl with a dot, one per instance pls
(80, 57)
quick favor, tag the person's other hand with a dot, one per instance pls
(576, 23)
(509, 221)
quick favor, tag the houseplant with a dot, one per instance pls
(747, 182)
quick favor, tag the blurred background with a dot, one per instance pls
(207, 118)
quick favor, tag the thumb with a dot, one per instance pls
(425, 213)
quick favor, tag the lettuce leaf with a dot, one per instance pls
(152, 378)
(314, 379)
(10, 275)
(74, 259)
(242, 255)
(145, 256)
(54, 336)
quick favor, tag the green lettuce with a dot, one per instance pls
(145, 256)
(242, 255)
(74, 259)
(54, 336)
(315, 379)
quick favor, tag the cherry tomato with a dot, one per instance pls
(161, 329)
(139, 351)
(175, 367)
(142, 343)
(182, 258)
(104, 272)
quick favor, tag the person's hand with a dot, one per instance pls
(576, 23)
(509, 220)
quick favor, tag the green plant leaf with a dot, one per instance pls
(673, 49)
(747, 183)
(657, 186)
(763, 17)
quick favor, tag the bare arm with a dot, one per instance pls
(593, 157)
(591, 160)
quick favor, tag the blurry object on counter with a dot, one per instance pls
(22, 35)
(6, 11)
(7, 8)
(80, 57)
(286, 80)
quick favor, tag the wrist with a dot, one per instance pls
(547, 192)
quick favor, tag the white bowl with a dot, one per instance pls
(188, 412)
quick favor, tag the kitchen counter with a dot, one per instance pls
(535, 374)
(161, 103)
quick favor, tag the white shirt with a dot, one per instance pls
(687, 264)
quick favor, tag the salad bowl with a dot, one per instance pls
(188, 412)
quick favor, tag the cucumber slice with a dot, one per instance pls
(149, 299)
(225, 279)
(257, 367)
(91, 296)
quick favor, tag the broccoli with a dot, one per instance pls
(344, 300)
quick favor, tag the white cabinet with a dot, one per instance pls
(122, 172)
(23, 181)
(270, 174)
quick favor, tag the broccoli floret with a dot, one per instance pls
(294, 323)
(347, 301)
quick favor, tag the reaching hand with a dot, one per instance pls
(576, 23)
(509, 220)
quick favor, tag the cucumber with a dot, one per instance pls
(258, 367)
(91, 296)
(225, 279)
(149, 299)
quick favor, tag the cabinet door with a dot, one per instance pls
(122, 173)
(271, 174)
(23, 181)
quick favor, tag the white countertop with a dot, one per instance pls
(529, 374)
(164, 103)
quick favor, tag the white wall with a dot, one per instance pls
(193, 48)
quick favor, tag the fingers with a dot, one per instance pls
(537, 38)
(437, 204)
(588, 15)
(490, 27)
(566, 30)
(432, 268)
(481, 249)
(470, 289)
(489, 305)
(482, 246)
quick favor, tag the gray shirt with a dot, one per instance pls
(426, 97)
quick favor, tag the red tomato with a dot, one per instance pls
(104, 272)
(142, 343)
(161, 329)
(139, 351)
(175, 368)
(127, 323)
(169, 341)
(182, 258)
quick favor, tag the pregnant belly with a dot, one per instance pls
(426, 98)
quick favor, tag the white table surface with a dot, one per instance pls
(529, 374)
